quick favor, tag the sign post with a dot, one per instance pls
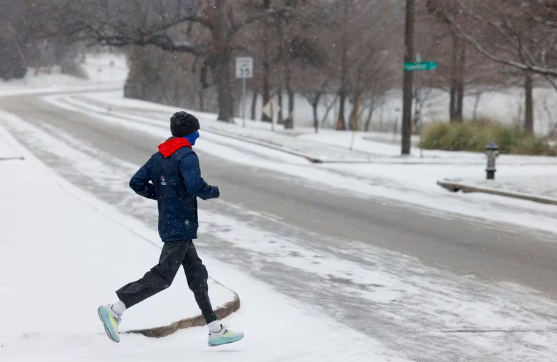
(417, 66)
(244, 70)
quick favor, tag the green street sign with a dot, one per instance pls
(410, 67)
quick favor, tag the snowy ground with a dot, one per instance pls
(502, 322)
(63, 252)
(390, 291)
(86, 243)
(8, 149)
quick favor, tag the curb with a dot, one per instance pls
(455, 187)
(264, 144)
(197, 321)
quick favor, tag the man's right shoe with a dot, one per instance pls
(224, 336)
(111, 322)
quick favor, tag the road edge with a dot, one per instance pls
(455, 187)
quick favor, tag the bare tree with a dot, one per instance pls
(513, 33)
(361, 57)
(520, 34)
(206, 30)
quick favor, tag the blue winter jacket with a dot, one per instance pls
(172, 177)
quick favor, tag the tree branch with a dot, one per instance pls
(253, 19)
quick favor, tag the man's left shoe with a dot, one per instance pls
(224, 336)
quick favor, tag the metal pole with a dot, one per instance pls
(408, 77)
(419, 111)
(244, 102)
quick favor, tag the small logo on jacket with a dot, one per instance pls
(163, 181)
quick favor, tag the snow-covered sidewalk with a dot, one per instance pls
(62, 251)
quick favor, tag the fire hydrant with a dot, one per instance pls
(492, 152)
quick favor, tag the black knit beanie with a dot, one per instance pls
(182, 124)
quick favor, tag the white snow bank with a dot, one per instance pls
(62, 255)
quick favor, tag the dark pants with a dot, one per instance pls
(161, 276)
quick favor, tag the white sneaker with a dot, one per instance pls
(224, 336)
(111, 322)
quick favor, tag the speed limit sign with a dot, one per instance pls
(244, 67)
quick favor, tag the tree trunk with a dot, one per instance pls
(529, 105)
(328, 110)
(280, 117)
(289, 124)
(356, 114)
(224, 89)
(460, 80)
(452, 103)
(222, 53)
(266, 65)
(351, 114)
(456, 105)
(476, 105)
(315, 106)
(253, 103)
(369, 116)
(341, 121)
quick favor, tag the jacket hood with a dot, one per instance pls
(172, 145)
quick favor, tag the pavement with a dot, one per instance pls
(330, 225)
